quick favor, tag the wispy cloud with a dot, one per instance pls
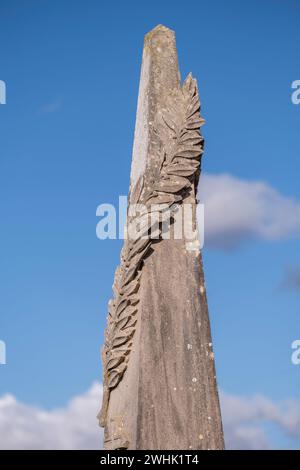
(75, 426)
(238, 210)
(244, 419)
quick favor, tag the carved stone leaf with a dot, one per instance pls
(126, 322)
(131, 289)
(188, 135)
(193, 107)
(115, 286)
(111, 307)
(193, 143)
(124, 254)
(130, 274)
(169, 121)
(114, 362)
(136, 227)
(121, 306)
(170, 186)
(131, 322)
(184, 161)
(164, 198)
(180, 158)
(121, 323)
(116, 375)
(129, 311)
(122, 338)
(139, 247)
(194, 123)
(134, 299)
(138, 258)
(189, 87)
(181, 170)
(188, 152)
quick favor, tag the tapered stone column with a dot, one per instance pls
(160, 387)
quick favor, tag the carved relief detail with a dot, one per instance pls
(115, 437)
(177, 177)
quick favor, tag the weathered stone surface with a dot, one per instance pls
(159, 378)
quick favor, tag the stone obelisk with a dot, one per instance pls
(160, 388)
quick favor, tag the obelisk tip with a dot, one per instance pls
(160, 28)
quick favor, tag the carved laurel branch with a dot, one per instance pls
(179, 169)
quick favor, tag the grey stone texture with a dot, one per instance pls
(160, 388)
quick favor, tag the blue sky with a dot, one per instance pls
(72, 74)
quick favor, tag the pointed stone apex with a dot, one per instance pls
(160, 28)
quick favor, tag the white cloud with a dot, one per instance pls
(75, 426)
(237, 210)
(244, 420)
(72, 427)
